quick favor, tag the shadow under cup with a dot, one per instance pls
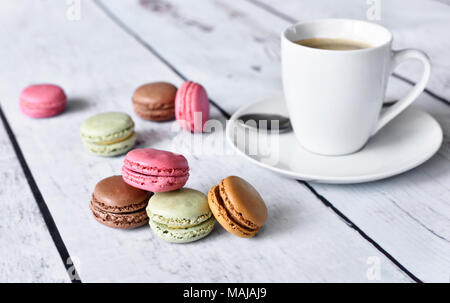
(334, 97)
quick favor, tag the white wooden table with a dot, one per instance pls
(315, 232)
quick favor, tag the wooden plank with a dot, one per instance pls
(27, 252)
(234, 50)
(100, 65)
(409, 215)
(424, 205)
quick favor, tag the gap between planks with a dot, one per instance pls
(326, 202)
(151, 49)
(43, 208)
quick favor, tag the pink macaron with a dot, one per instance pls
(192, 107)
(42, 100)
(155, 170)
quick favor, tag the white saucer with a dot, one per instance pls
(406, 142)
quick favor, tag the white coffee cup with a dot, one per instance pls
(334, 97)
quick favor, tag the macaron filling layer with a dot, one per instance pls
(237, 216)
(154, 106)
(145, 110)
(122, 134)
(154, 114)
(41, 112)
(142, 179)
(189, 117)
(154, 170)
(42, 106)
(183, 235)
(117, 140)
(127, 209)
(122, 220)
(112, 149)
(178, 222)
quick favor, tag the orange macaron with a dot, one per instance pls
(237, 206)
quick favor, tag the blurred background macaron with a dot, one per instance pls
(108, 134)
(180, 216)
(42, 100)
(192, 107)
(155, 101)
(237, 206)
(117, 204)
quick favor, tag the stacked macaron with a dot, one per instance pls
(119, 205)
(180, 216)
(176, 214)
(108, 134)
(186, 217)
(155, 170)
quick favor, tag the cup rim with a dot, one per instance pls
(380, 27)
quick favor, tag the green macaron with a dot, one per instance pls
(108, 134)
(180, 216)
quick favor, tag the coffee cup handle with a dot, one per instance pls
(397, 58)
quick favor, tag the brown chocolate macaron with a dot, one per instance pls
(119, 205)
(237, 206)
(155, 101)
